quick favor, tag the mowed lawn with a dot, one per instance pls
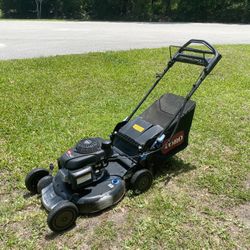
(200, 199)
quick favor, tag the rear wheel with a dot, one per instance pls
(141, 181)
(33, 177)
(62, 216)
(44, 182)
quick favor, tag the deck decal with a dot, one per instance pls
(138, 128)
(177, 140)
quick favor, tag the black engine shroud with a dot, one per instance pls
(87, 151)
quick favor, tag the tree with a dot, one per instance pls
(39, 8)
(136, 10)
(18, 8)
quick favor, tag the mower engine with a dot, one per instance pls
(84, 163)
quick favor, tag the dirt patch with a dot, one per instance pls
(83, 234)
(247, 182)
(171, 186)
(21, 229)
(221, 216)
(242, 212)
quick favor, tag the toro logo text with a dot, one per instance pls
(177, 140)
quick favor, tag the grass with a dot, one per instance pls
(199, 200)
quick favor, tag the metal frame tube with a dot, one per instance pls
(170, 64)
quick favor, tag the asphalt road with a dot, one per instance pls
(27, 39)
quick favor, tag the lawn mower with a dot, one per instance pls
(95, 173)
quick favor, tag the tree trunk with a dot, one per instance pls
(167, 7)
(39, 8)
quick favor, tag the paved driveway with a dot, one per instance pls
(26, 39)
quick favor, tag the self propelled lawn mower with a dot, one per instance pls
(95, 174)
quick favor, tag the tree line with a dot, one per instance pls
(231, 11)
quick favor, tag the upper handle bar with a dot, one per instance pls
(208, 63)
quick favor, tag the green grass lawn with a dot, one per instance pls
(200, 199)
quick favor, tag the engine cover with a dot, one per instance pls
(88, 145)
(86, 152)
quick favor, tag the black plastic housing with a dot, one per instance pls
(73, 160)
(138, 135)
(82, 177)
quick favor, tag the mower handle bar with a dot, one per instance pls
(208, 63)
(180, 56)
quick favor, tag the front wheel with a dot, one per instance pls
(33, 177)
(44, 182)
(62, 216)
(141, 181)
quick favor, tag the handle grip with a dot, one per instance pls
(208, 63)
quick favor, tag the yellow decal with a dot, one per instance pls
(138, 128)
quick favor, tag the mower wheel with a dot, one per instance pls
(44, 182)
(62, 216)
(33, 177)
(141, 181)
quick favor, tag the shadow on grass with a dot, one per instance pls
(53, 235)
(172, 168)
(28, 195)
(167, 171)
